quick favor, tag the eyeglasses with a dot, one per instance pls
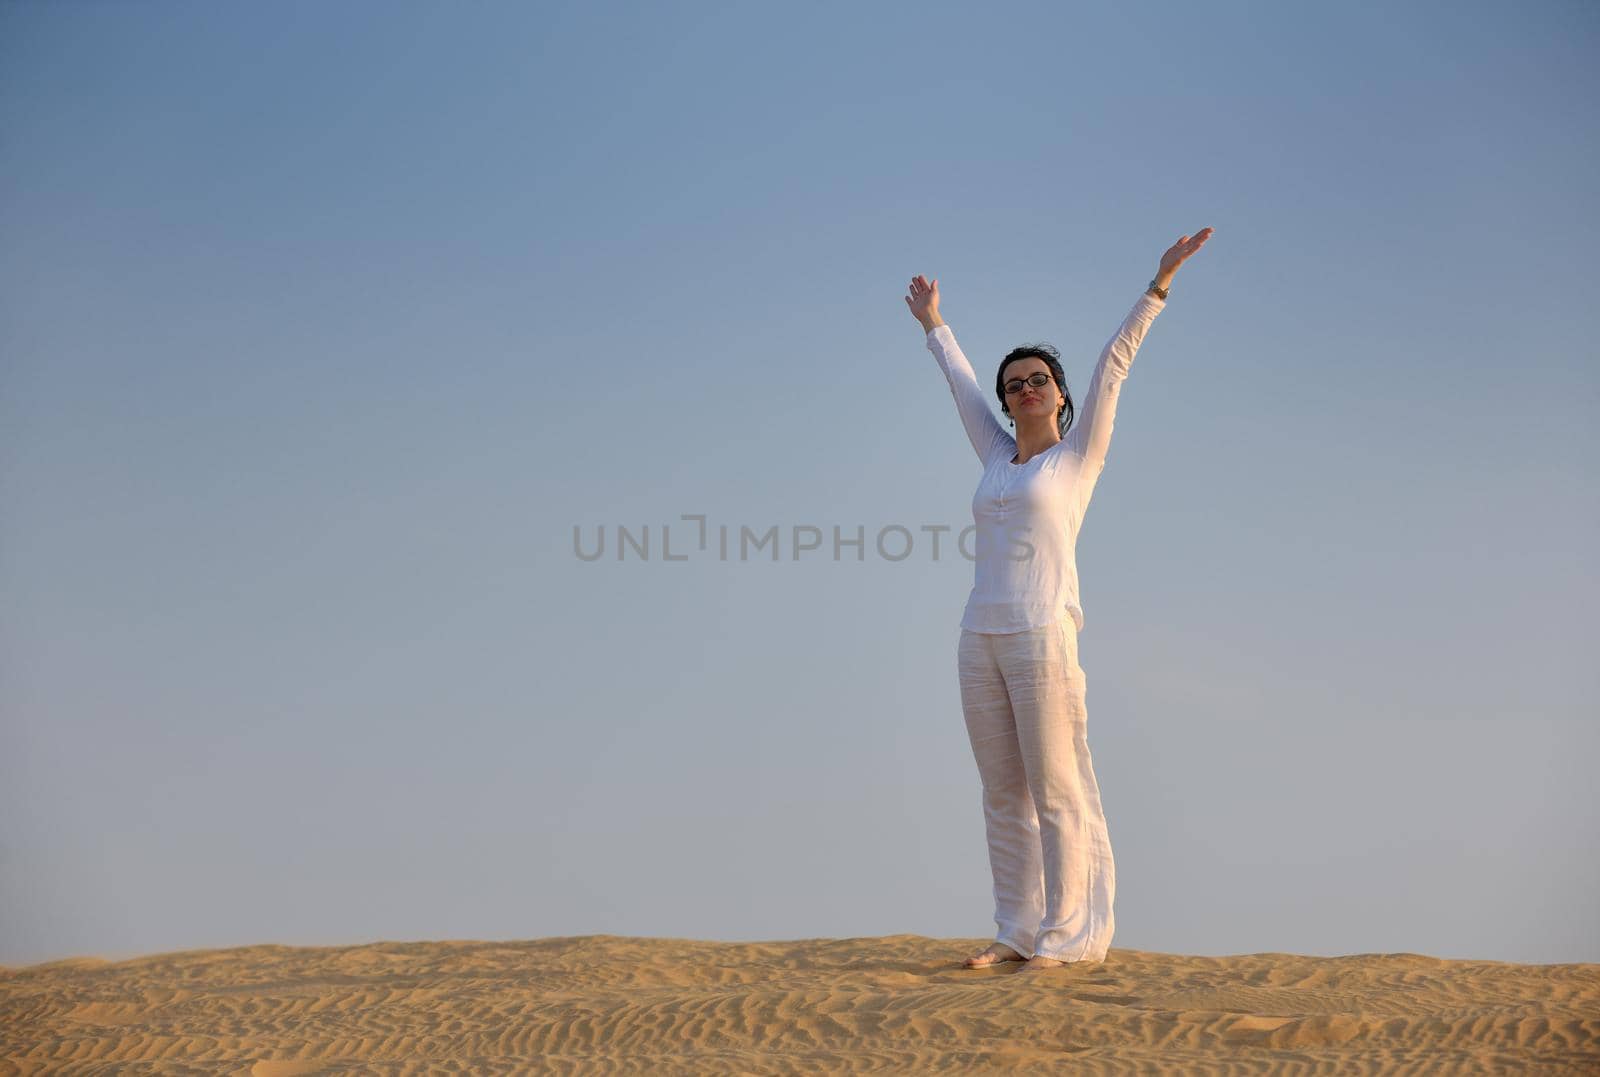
(1038, 381)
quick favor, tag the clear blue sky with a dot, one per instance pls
(323, 326)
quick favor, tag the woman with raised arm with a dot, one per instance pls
(1022, 689)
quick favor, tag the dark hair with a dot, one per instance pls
(1052, 359)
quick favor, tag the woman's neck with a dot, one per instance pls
(1033, 439)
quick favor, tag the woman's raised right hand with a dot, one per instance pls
(924, 300)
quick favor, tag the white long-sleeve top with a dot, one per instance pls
(1028, 515)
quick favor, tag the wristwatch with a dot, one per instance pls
(1162, 292)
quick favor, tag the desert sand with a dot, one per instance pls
(898, 1004)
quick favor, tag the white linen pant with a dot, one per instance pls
(1023, 694)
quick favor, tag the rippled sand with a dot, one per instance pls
(605, 1003)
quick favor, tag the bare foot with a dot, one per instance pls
(1037, 962)
(994, 954)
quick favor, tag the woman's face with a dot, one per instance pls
(1030, 401)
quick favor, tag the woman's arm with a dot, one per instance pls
(988, 437)
(1090, 436)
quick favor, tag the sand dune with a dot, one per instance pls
(900, 1004)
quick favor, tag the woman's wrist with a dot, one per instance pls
(1163, 279)
(932, 322)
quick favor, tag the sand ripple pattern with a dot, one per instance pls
(897, 1004)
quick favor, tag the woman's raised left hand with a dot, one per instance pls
(1180, 251)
